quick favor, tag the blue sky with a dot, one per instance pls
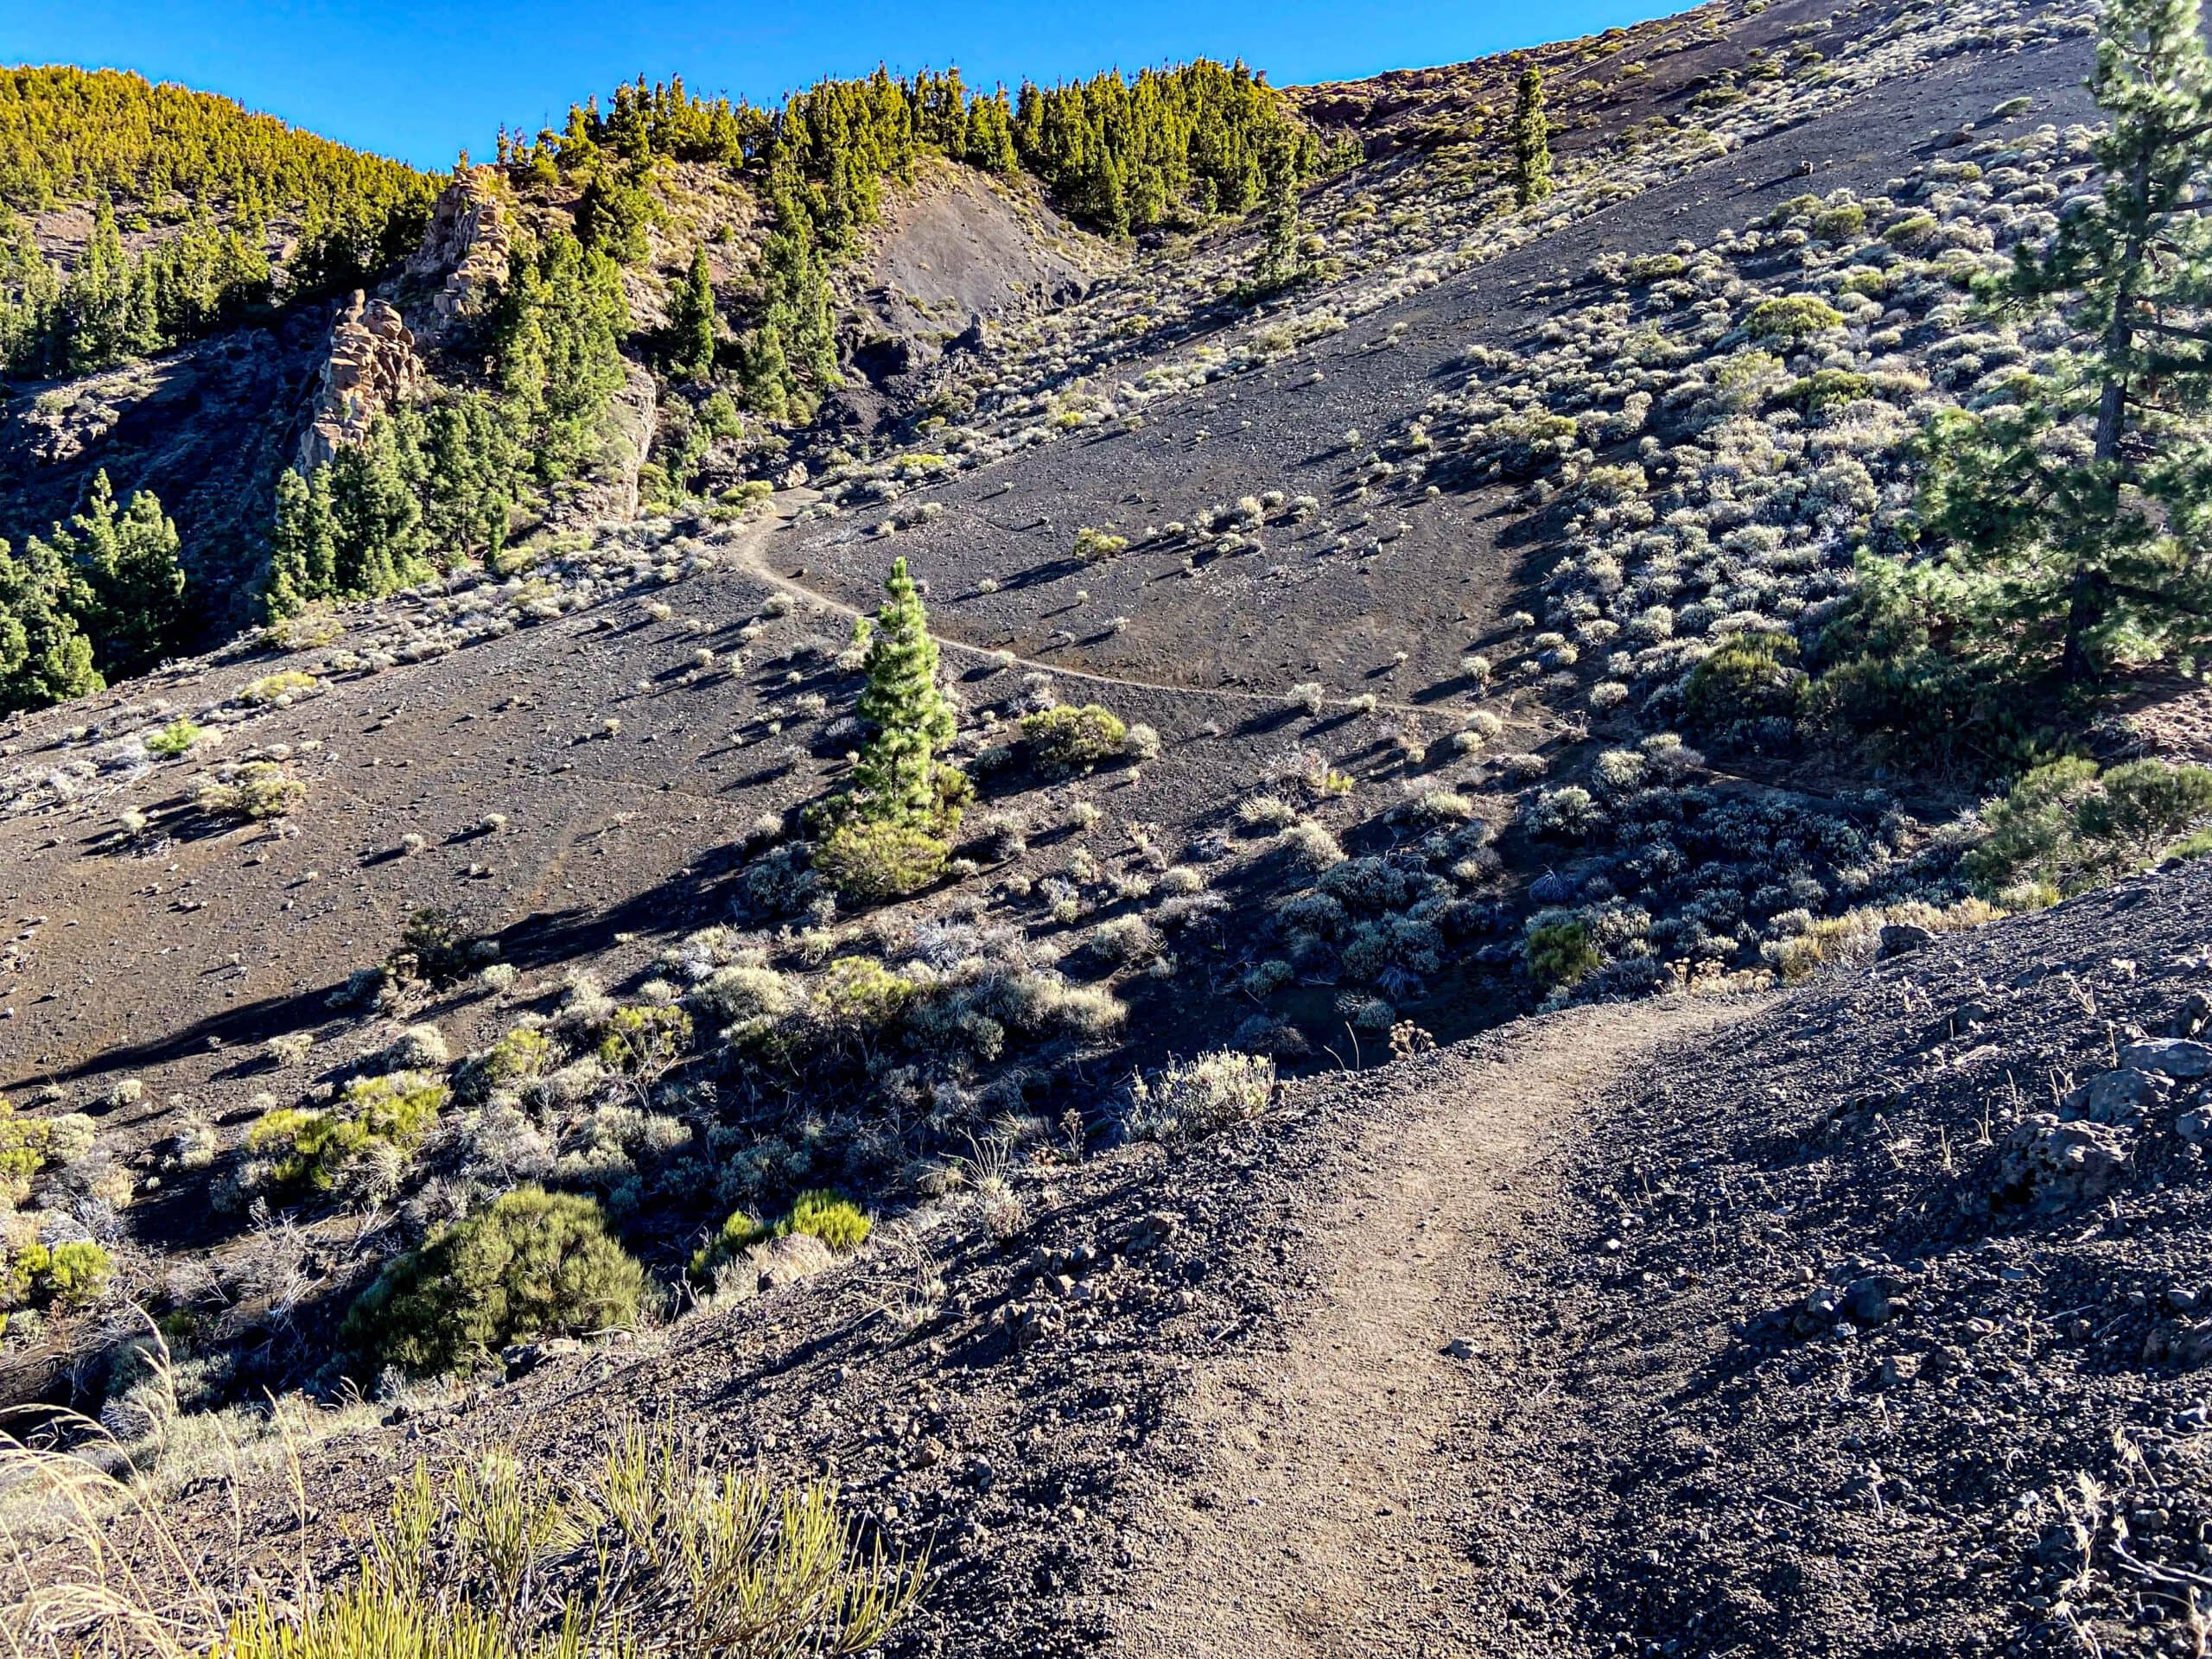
(418, 81)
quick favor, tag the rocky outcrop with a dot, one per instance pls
(372, 366)
(462, 261)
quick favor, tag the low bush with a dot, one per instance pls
(1064, 740)
(175, 740)
(533, 1264)
(30, 1145)
(69, 1275)
(1746, 677)
(644, 1039)
(1794, 316)
(737, 1234)
(837, 1222)
(1855, 938)
(1191, 1099)
(377, 1118)
(283, 687)
(437, 948)
(1648, 268)
(873, 861)
(1559, 954)
(2069, 826)
(1093, 544)
(253, 789)
(648, 1549)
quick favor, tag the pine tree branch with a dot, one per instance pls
(2203, 337)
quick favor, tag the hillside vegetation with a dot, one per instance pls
(820, 728)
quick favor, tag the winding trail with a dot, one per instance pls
(749, 546)
(1341, 1482)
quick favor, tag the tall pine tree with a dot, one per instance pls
(1279, 265)
(123, 587)
(692, 319)
(1532, 140)
(2081, 516)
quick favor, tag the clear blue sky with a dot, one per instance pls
(419, 81)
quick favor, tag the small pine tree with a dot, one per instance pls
(2082, 510)
(692, 319)
(897, 779)
(1532, 140)
(44, 655)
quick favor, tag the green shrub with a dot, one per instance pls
(1796, 316)
(174, 740)
(533, 1264)
(316, 1147)
(1747, 676)
(79, 1273)
(1091, 545)
(647, 1549)
(1829, 388)
(736, 1235)
(26, 1147)
(1912, 230)
(1559, 954)
(522, 1056)
(70, 1275)
(2064, 825)
(644, 1038)
(836, 1222)
(271, 687)
(1528, 441)
(436, 950)
(870, 862)
(2140, 807)
(1613, 484)
(1064, 740)
(1189, 1099)
(1647, 268)
(1845, 222)
(254, 790)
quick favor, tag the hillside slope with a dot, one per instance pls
(1348, 1171)
(1556, 1342)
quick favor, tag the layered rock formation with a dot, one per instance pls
(464, 252)
(373, 364)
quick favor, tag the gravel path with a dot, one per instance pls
(1332, 1510)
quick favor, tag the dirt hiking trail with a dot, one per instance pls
(1343, 1480)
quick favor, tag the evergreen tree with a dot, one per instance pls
(376, 517)
(898, 780)
(44, 655)
(469, 468)
(1279, 263)
(302, 545)
(692, 319)
(2081, 515)
(557, 343)
(118, 576)
(1532, 140)
(96, 302)
(612, 217)
(30, 302)
(791, 357)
